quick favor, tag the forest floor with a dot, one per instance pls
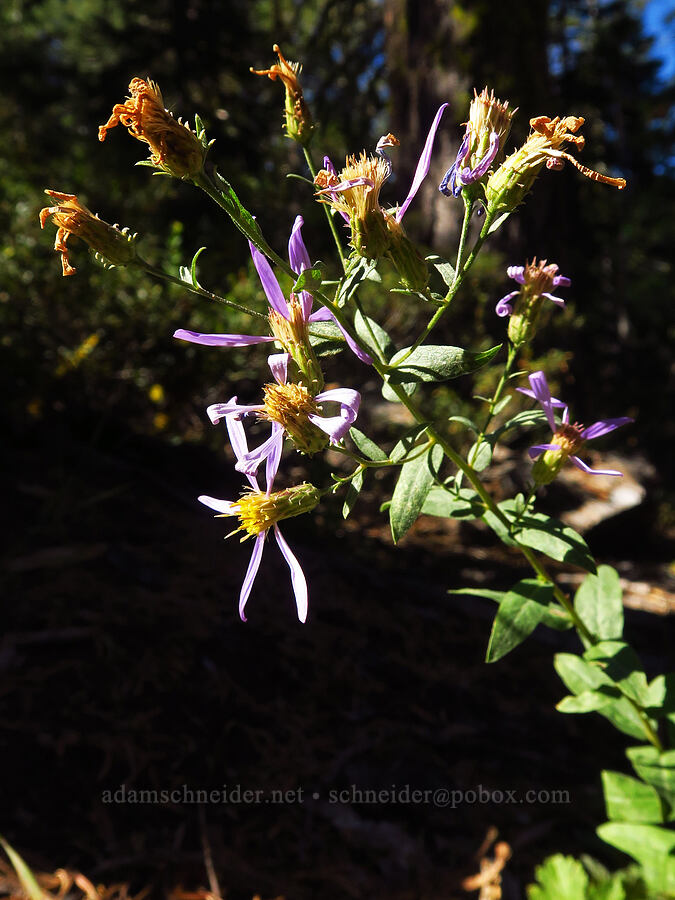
(126, 668)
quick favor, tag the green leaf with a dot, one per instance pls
(522, 420)
(551, 537)
(588, 701)
(578, 675)
(410, 492)
(24, 873)
(465, 504)
(353, 491)
(464, 421)
(660, 697)
(498, 222)
(519, 613)
(326, 338)
(435, 362)
(479, 456)
(489, 594)
(620, 663)
(599, 604)
(373, 337)
(308, 280)
(366, 447)
(657, 769)
(651, 846)
(441, 274)
(241, 217)
(630, 800)
(559, 878)
(358, 270)
(407, 443)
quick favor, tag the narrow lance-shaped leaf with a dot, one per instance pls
(410, 493)
(599, 603)
(519, 613)
(433, 362)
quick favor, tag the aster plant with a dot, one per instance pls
(438, 473)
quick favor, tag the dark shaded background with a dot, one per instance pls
(123, 657)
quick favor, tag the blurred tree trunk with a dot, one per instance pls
(437, 51)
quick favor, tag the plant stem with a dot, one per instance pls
(508, 365)
(331, 222)
(151, 270)
(468, 209)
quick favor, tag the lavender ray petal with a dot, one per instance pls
(353, 346)
(517, 273)
(536, 449)
(218, 411)
(278, 363)
(561, 281)
(580, 464)
(275, 456)
(297, 252)
(251, 572)
(557, 300)
(298, 579)
(328, 165)
(323, 314)
(347, 185)
(225, 507)
(505, 307)
(221, 340)
(604, 426)
(249, 462)
(449, 177)
(336, 427)
(486, 161)
(269, 282)
(542, 394)
(424, 162)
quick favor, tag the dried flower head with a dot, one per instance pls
(174, 147)
(116, 246)
(507, 187)
(298, 120)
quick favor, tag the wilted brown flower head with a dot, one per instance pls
(174, 146)
(72, 217)
(298, 119)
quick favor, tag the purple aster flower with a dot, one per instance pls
(460, 175)
(295, 313)
(567, 438)
(486, 133)
(538, 279)
(258, 511)
(292, 410)
(355, 191)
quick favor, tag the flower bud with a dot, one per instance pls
(290, 405)
(293, 335)
(537, 280)
(175, 148)
(410, 264)
(298, 120)
(117, 247)
(258, 511)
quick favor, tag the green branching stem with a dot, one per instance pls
(499, 390)
(329, 216)
(201, 292)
